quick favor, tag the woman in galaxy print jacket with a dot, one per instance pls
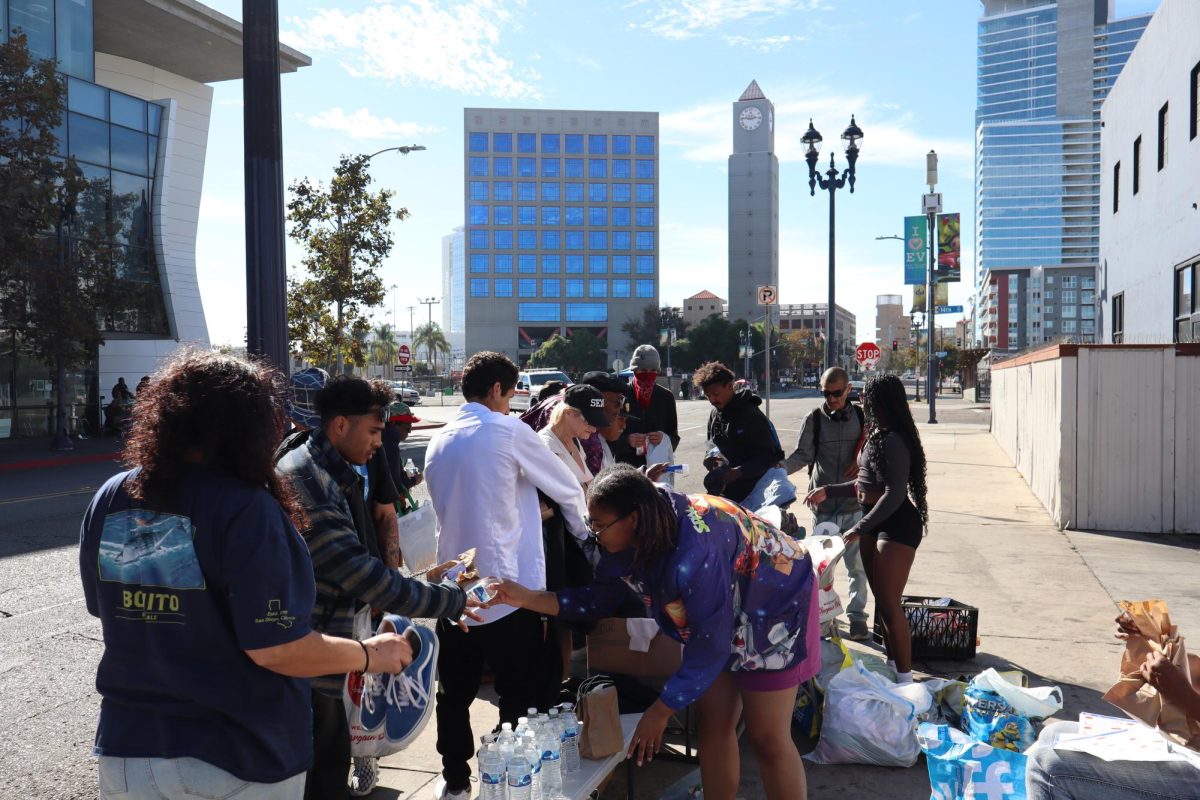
(739, 595)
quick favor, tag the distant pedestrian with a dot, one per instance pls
(890, 486)
(400, 419)
(121, 393)
(830, 438)
(204, 591)
(142, 384)
(657, 417)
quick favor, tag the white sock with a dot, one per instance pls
(891, 665)
(904, 677)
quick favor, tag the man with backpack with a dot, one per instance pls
(830, 439)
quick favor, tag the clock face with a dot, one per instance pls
(750, 118)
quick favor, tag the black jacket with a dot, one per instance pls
(746, 438)
(660, 416)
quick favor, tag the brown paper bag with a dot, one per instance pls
(601, 733)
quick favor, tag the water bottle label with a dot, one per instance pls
(549, 755)
(492, 780)
(523, 780)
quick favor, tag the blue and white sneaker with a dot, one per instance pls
(404, 699)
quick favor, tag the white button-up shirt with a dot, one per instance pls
(483, 470)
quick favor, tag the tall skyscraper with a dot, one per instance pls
(753, 204)
(454, 290)
(561, 226)
(1044, 69)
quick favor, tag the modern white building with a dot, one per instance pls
(1150, 186)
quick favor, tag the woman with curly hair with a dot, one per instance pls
(891, 488)
(204, 590)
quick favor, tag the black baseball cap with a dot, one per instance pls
(604, 381)
(588, 401)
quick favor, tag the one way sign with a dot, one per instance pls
(767, 296)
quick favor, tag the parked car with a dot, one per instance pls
(406, 392)
(530, 382)
(856, 390)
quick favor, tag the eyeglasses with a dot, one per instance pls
(833, 392)
(587, 523)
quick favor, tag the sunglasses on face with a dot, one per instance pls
(833, 392)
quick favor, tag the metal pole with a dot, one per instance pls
(767, 361)
(830, 338)
(929, 298)
(266, 271)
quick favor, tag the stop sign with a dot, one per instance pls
(404, 355)
(867, 354)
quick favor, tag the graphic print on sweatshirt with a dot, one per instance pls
(152, 553)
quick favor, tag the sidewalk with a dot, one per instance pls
(35, 452)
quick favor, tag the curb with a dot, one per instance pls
(60, 461)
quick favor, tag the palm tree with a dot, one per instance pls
(385, 346)
(430, 337)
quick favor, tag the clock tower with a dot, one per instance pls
(753, 204)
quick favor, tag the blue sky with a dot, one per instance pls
(392, 72)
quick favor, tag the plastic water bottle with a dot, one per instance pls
(491, 774)
(520, 776)
(410, 469)
(570, 739)
(529, 741)
(506, 743)
(678, 469)
(522, 726)
(551, 748)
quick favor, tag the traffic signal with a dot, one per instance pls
(895, 345)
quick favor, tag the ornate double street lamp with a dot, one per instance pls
(831, 182)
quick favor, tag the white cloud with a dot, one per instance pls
(686, 19)
(763, 44)
(362, 124)
(449, 45)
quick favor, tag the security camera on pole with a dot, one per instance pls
(932, 206)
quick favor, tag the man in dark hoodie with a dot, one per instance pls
(739, 430)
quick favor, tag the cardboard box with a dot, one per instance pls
(608, 651)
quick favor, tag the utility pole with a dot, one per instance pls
(933, 206)
(429, 303)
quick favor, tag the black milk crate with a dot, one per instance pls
(938, 632)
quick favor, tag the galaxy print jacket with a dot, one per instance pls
(735, 591)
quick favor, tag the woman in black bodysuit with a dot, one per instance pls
(891, 488)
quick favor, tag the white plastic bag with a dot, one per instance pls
(1036, 703)
(661, 453)
(826, 552)
(418, 538)
(868, 721)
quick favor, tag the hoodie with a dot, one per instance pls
(746, 439)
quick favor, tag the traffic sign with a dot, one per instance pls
(940, 353)
(402, 368)
(948, 310)
(867, 355)
(404, 355)
(767, 295)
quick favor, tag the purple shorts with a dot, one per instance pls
(773, 680)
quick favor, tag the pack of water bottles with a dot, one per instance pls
(529, 762)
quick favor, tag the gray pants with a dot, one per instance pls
(856, 605)
(185, 779)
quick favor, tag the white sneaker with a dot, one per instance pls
(440, 793)
(364, 776)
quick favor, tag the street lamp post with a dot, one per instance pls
(66, 214)
(429, 303)
(831, 182)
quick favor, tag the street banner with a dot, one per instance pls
(949, 230)
(941, 297)
(916, 243)
(941, 294)
(919, 306)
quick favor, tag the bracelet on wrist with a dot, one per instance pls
(367, 666)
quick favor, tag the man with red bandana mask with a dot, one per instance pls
(654, 407)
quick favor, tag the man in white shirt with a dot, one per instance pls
(483, 471)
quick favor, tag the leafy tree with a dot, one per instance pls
(344, 227)
(384, 346)
(716, 339)
(430, 337)
(647, 329)
(581, 353)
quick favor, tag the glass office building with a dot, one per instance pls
(454, 292)
(562, 225)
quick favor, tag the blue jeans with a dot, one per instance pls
(1067, 775)
(185, 779)
(856, 606)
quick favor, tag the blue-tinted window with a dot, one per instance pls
(620, 145)
(551, 143)
(130, 218)
(620, 193)
(527, 287)
(587, 312)
(598, 192)
(645, 169)
(573, 192)
(550, 192)
(526, 240)
(526, 142)
(551, 215)
(526, 190)
(501, 142)
(598, 264)
(645, 192)
(620, 168)
(550, 167)
(88, 139)
(551, 240)
(574, 265)
(527, 215)
(550, 263)
(526, 167)
(645, 265)
(597, 144)
(503, 215)
(598, 167)
(502, 191)
(502, 166)
(645, 217)
(597, 240)
(477, 215)
(621, 240)
(597, 215)
(573, 216)
(597, 288)
(574, 240)
(503, 262)
(620, 265)
(645, 145)
(479, 166)
(574, 143)
(479, 262)
(551, 287)
(620, 216)
(479, 287)
(127, 111)
(503, 287)
(574, 287)
(477, 142)
(573, 167)
(526, 264)
(128, 150)
(645, 288)
(479, 240)
(153, 117)
(73, 26)
(645, 240)
(479, 190)
(502, 240)
(538, 312)
(620, 287)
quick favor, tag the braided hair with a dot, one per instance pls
(885, 402)
(623, 489)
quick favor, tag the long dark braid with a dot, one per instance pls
(623, 489)
(885, 402)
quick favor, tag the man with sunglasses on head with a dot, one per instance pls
(829, 442)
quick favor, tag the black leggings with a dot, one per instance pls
(903, 526)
